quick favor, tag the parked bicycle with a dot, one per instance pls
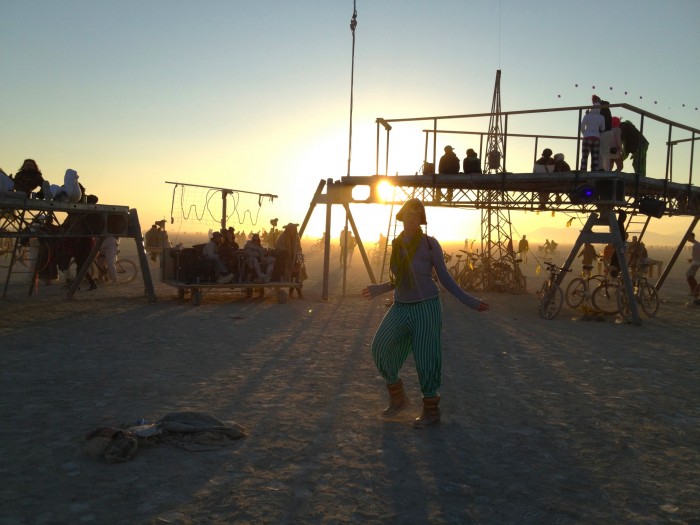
(126, 269)
(39, 248)
(508, 276)
(581, 288)
(551, 295)
(645, 294)
(604, 296)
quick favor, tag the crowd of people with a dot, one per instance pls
(29, 178)
(49, 256)
(275, 257)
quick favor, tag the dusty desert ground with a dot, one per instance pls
(564, 422)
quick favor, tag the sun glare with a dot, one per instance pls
(385, 190)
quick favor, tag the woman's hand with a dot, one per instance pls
(367, 293)
(483, 307)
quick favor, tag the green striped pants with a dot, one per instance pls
(406, 328)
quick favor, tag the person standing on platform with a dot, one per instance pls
(591, 127)
(634, 143)
(605, 135)
(413, 323)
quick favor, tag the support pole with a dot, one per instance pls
(361, 246)
(327, 250)
(135, 232)
(676, 254)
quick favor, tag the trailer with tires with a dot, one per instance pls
(196, 285)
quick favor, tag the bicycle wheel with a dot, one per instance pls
(552, 299)
(42, 256)
(604, 298)
(126, 270)
(575, 292)
(648, 299)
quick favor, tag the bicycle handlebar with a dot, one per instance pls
(554, 268)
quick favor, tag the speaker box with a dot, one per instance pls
(652, 207)
(610, 190)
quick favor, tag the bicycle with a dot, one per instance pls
(580, 289)
(645, 294)
(551, 295)
(604, 296)
(508, 276)
(40, 256)
(470, 277)
(319, 246)
(126, 269)
(7, 246)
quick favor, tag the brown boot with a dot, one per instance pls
(398, 400)
(431, 412)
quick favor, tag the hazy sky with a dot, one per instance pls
(255, 95)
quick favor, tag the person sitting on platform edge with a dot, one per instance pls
(70, 191)
(28, 178)
(6, 182)
(258, 258)
(210, 252)
(471, 163)
(449, 162)
(560, 165)
(545, 164)
(229, 250)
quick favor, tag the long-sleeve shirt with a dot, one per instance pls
(592, 124)
(421, 287)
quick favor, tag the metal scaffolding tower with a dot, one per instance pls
(496, 236)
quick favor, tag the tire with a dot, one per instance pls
(604, 298)
(126, 270)
(649, 299)
(575, 292)
(281, 296)
(552, 299)
(623, 306)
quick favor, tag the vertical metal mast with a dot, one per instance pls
(353, 25)
(495, 219)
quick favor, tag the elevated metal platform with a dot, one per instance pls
(522, 191)
(22, 218)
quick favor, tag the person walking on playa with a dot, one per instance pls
(414, 321)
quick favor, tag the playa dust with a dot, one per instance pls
(563, 421)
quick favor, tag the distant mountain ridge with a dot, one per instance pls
(569, 236)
